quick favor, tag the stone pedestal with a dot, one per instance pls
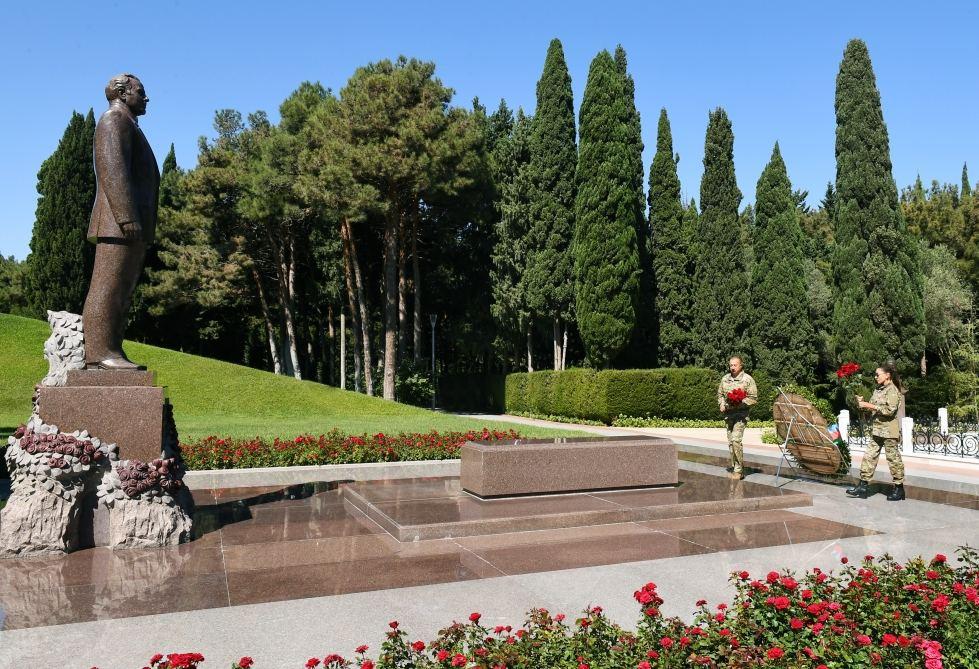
(542, 466)
(121, 407)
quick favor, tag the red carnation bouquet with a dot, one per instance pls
(736, 396)
(851, 381)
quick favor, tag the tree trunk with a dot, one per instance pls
(924, 365)
(557, 344)
(330, 347)
(267, 317)
(564, 348)
(358, 306)
(530, 346)
(390, 302)
(287, 273)
(417, 285)
(402, 298)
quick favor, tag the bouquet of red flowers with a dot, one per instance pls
(850, 380)
(736, 396)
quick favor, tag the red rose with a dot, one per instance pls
(459, 660)
(393, 624)
(666, 642)
(245, 662)
(312, 662)
(775, 653)
(418, 646)
(737, 396)
(442, 655)
(367, 664)
(361, 649)
(474, 617)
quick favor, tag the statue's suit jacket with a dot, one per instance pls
(127, 177)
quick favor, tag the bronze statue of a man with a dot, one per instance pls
(123, 220)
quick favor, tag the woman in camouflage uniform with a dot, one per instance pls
(885, 433)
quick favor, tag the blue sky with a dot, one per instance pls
(772, 65)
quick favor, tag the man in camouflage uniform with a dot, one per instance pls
(885, 434)
(736, 415)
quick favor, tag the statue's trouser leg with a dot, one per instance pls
(118, 265)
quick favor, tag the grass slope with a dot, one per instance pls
(214, 397)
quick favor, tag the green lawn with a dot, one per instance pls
(213, 397)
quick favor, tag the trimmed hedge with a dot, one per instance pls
(685, 393)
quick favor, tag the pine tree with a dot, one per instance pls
(670, 253)
(606, 252)
(553, 159)
(878, 311)
(782, 336)
(966, 186)
(60, 262)
(642, 350)
(720, 304)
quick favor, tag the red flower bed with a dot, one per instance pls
(331, 448)
(876, 615)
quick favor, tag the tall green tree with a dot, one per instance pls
(643, 346)
(783, 340)
(409, 146)
(878, 311)
(606, 253)
(671, 253)
(553, 160)
(510, 307)
(60, 262)
(966, 186)
(721, 296)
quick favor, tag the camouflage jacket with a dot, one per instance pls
(729, 383)
(886, 400)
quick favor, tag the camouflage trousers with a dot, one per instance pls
(735, 437)
(892, 450)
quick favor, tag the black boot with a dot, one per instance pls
(897, 493)
(861, 490)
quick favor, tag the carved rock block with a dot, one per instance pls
(36, 522)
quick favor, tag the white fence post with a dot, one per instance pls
(843, 421)
(943, 420)
(907, 439)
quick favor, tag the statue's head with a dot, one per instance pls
(128, 89)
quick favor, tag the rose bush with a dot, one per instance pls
(875, 614)
(332, 448)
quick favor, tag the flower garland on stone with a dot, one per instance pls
(40, 456)
(154, 481)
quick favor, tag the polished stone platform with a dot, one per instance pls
(439, 508)
(257, 545)
(512, 468)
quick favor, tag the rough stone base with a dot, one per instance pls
(36, 522)
(141, 524)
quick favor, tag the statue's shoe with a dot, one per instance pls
(117, 363)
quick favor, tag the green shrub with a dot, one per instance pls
(689, 393)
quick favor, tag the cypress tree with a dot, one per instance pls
(878, 311)
(966, 186)
(509, 257)
(782, 335)
(721, 295)
(60, 262)
(671, 256)
(553, 160)
(642, 351)
(606, 253)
